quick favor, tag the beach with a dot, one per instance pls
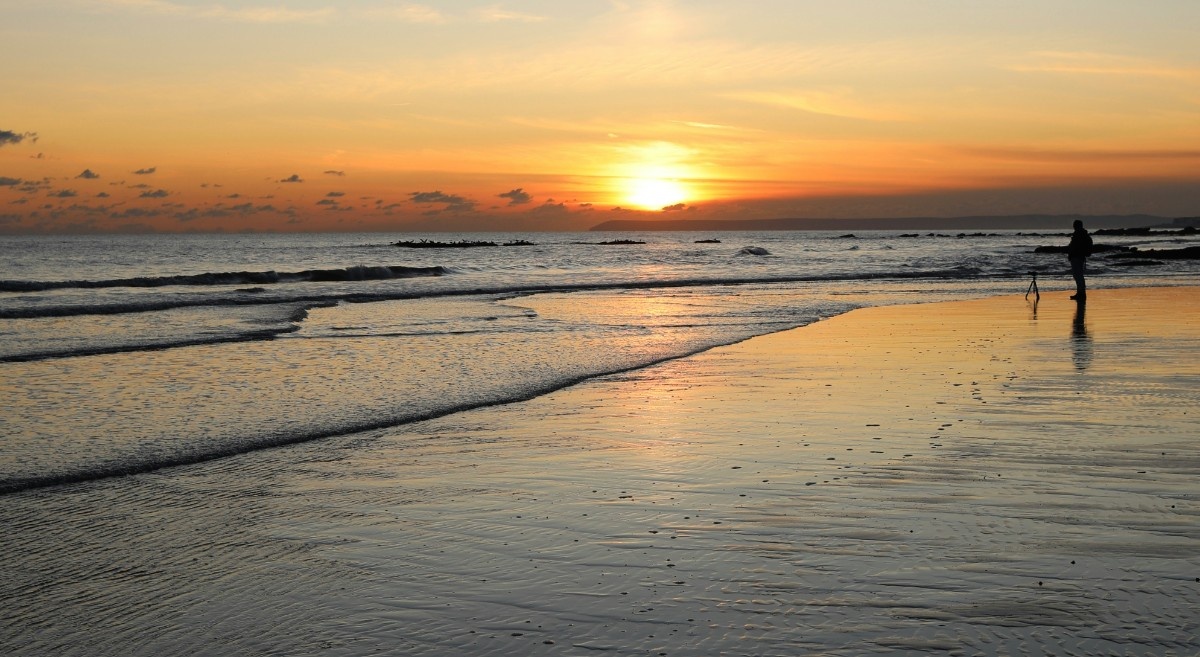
(985, 477)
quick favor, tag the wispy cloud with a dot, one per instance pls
(1078, 155)
(827, 103)
(240, 14)
(498, 14)
(586, 66)
(145, 172)
(707, 126)
(1094, 63)
(408, 13)
(88, 174)
(413, 13)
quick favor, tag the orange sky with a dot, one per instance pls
(199, 115)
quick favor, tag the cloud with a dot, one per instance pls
(1093, 63)
(826, 103)
(335, 194)
(33, 186)
(419, 14)
(333, 172)
(675, 208)
(327, 201)
(145, 172)
(594, 65)
(221, 212)
(705, 126)
(497, 14)
(433, 197)
(453, 202)
(551, 209)
(102, 195)
(88, 174)
(9, 182)
(77, 210)
(294, 178)
(64, 193)
(10, 137)
(248, 208)
(408, 13)
(278, 14)
(516, 197)
(136, 213)
(158, 193)
(1018, 154)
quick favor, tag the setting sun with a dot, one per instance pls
(655, 193)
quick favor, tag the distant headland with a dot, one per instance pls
(1025, 221)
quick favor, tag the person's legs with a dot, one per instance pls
(1080, 285)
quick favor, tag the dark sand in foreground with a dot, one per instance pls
(969, 478)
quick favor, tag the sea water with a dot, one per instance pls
(122, 354)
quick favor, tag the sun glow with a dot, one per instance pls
(655, 193)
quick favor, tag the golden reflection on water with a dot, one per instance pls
(1081, 342)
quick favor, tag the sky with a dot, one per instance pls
(378, 115)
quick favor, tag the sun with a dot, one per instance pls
(655, 193)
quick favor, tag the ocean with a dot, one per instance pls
(134, 353)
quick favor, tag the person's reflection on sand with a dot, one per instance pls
(1081, 342)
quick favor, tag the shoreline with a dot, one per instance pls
(118, 469)
(974, 477)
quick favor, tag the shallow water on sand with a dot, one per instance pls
(125, 354)
(947, 479)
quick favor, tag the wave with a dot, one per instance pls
(244, 297)
(265, 334)
(356, 273)
(201, 454)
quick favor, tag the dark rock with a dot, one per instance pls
(1186, 253)
(430, 244)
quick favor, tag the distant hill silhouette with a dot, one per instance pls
(1025, 222)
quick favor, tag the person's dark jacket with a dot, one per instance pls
(1080, 246)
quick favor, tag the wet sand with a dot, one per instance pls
(968, 478)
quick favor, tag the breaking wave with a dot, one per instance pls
(356, 273)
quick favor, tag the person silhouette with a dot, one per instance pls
(1077, 253)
